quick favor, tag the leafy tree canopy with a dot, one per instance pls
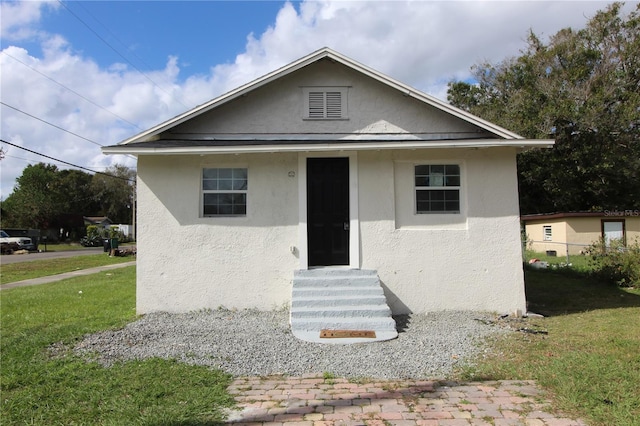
(46, 197)
(581, 88)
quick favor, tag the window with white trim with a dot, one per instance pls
(325, 103)
(437, 188)
(546, 232)
(224, 192)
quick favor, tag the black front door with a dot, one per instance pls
(328, 211)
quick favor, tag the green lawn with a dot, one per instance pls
(60, 247)
(40, 268)
(579, 263)
(590, 358)
(39, 388)
(589, 361)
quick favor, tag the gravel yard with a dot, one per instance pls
(258, 343)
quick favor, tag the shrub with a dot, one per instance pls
(616, 263)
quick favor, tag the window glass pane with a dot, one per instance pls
(437, 195)
(229, 198)
(422, 180)
(209, 184)
(210, 210)
(225, 184)
(210, 199)
(239, 184)
(210, 173)
(240, 209)
(225, 199)
(452, 206)
(436, 169)
(437, 206)
(452, 181)
(422, 196)
(225, 173)
(436, 179)
(451, 195)
(438, 201)
(239, 198)
(240, 174)
(452, 169)
(422, 170)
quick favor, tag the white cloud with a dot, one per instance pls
(20, 18)
(424, 44)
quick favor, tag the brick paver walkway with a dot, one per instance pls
(315, 401)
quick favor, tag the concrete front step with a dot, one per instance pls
(345, 311)
(322, 301)
(317, 324)
(340, 299)
(337, 291)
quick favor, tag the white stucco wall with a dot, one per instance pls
(470, 260)
(426, 262)
(187, 262)
(443, 262)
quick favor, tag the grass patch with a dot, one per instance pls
(61, 247)
(41, 268)
(579, 262)
(590, 359)
(38, 388)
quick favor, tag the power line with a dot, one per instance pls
(129, 50)
(50, 124)
(118, 53)
(71, 90)
(66, 162)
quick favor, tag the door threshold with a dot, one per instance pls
(331, 267)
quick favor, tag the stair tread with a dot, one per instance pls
(339, 299)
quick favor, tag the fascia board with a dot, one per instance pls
(323, 147)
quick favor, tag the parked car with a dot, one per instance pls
(10, 244)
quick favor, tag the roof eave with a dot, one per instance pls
(520, 144)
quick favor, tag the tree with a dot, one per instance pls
(583, 89)
(32, 202)
(115, 193)
(46, 197)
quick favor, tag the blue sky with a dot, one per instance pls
(201, 33)
(59, 65)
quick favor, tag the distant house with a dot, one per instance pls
(572, 233)
(99, 221)
(326, 166)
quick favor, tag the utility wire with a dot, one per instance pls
(50, 124)
(66, 162)
(71, 90)
(118, 53)
(129, 50)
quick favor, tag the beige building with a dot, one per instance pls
(327, 165)
(572, 233)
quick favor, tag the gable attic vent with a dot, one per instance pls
(325, 103)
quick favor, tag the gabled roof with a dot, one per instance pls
(324, 53)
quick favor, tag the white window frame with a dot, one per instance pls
(442, 187)
(204, 191)
(547, 233)
(324, 107)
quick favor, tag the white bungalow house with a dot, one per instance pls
(328, 173)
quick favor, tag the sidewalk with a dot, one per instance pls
(64, 276)
(315, 401)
